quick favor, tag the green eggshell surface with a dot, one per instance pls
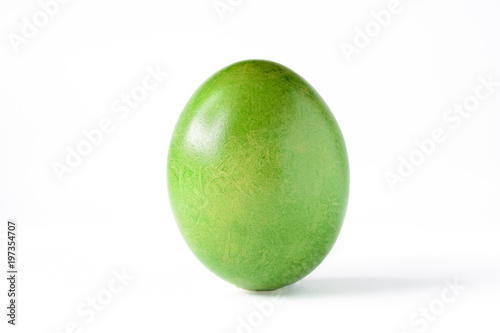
(258, 175)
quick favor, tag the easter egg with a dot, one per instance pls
(258, 175)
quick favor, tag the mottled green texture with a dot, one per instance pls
(258, 175)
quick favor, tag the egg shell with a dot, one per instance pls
(258, 175)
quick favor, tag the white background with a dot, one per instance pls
(398, 248)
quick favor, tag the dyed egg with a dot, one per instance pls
(258, 175)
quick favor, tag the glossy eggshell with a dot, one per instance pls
(258, 175)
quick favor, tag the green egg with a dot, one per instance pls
(258, 175)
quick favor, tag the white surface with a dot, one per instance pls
(397, 249)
